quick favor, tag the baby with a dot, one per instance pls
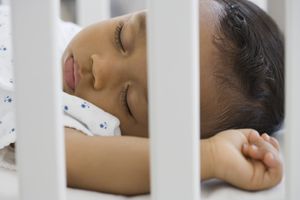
(241, 86)
(241, 69)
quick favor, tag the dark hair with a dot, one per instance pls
(252, 58)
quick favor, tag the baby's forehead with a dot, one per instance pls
(209, 12)
(209, 22)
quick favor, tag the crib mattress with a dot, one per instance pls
(211, 190)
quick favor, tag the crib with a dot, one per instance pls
(172, 177)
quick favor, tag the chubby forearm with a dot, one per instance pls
(118, 165)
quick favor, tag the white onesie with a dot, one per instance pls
(78, 113)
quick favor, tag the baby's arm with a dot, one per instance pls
(247, 160)
(118, 165)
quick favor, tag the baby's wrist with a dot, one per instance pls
(207, 159)
(216, 159)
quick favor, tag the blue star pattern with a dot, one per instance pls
(93, 118)
(104, 125)
(85, 105)
(66, 108)
(12, 130)
(85, 109)
(7, 99)
(3, 48)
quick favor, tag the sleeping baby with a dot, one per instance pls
(241, 87)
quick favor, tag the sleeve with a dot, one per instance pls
(88, 118)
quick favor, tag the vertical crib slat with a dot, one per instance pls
(91, 11)
(261, 3)
(173, 42)
(276, 8)
(40, 143)
(292, 136)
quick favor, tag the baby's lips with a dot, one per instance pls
(77, 76)
(69, 72)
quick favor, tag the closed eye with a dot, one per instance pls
(124, 101)
(118, 37)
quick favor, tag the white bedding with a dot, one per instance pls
(211, 190)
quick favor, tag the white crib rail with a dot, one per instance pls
(173, 42)
(292, 135)
(91, 11)
(40, 146)
(276, 8)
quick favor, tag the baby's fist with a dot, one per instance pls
(266, 150)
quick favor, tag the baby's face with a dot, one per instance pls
(110, 70)
(109, 62)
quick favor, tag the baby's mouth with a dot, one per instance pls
(69, 75)
(76, 72)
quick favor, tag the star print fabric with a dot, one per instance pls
(89, 118)
(7, 125)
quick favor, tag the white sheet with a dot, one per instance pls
(211, 190)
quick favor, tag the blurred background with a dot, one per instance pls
(120, 7)
(83, 13)
(116, 8)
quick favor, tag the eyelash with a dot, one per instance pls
(124, 102)
(118, 40)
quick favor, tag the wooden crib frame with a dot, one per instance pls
(174, 163)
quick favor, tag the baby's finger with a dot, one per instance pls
(248, 132)
(252, 151)
(274, 164)
(271, 140)
(266, 137)
(245, 150)
(253, 137)
(275, 143)
(271, 160)
(255, 152)
(259, 148)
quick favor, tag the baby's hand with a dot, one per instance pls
(266, 150)
(247, 160)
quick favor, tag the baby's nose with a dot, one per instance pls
(99, 71)
(103, 71)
